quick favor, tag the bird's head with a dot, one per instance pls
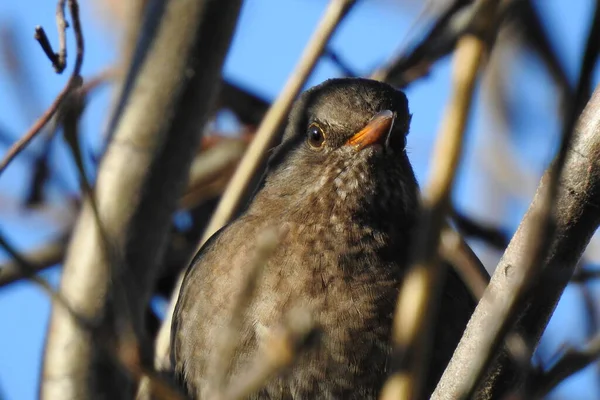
(345, 142)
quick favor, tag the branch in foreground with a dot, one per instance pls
(417, 302)
(170, 90)
(257, 151)
(279, 352)
(576, 218)
(266, 243)
(534, 248)
(275, 117)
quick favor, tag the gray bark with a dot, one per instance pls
(165, 101)
(577, 216)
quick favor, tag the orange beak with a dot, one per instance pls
(376, 131)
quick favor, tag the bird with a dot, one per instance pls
(342, 189)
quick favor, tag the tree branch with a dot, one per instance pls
(238, 185)
(172, 84)
(577, 216)
(38, 260)
(570, 363)
(73, 82)
(275, 117)
(527, 261)
(417, 302)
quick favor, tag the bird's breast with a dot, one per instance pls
(346, 279)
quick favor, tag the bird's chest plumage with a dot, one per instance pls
(336, 263)
(346, 276)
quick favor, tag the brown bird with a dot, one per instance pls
(341, 185)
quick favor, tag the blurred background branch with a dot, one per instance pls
(146, 164)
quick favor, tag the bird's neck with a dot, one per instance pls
(335, 209)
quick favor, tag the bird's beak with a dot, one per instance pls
(376, 131)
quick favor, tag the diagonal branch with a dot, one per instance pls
(577, 217)
(38, 260)
(276, 115)
(569, 364)
(535, 267)
(257, 151)
(417, 302)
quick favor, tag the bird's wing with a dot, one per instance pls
(184, 291)
(203, 308)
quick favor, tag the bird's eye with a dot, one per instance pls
(316, 137)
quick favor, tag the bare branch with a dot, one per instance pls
(569, 364)
(265, 245)
(249, 108)
(279, 352)
(489, 234)
(417, 302)
(39, 259)
(74, 81)
(454, 250)
(460, 17)
(275, 117)
(59, 59)
(522, 267)
(29, 271)
(61, 24)
(40, 36)
(576, 217)
(170, 90)
(337, 60)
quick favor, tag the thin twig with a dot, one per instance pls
(42, 168)
(467, 265)
(570, 363)
(61, 25)
(280, 351)
(507, 308)
(491, 235)
(38, 260)
(79, 43)
(29, 271)
(40, 36)
(36, 127)
(74, 81)
(460, 17)
(341, 64)
(417, 302)
(248, 107)
(275, 117)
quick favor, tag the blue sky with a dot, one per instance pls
(270, 37)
